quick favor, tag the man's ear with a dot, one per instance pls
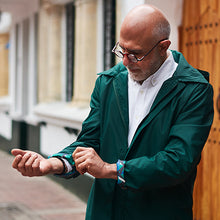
(164, 45)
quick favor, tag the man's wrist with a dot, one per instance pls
(111, 171)
(57, 166)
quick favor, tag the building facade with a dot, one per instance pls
(49, 59)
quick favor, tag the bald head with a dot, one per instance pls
(144, 34)
(145, 22)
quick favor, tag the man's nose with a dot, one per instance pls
(126, 60)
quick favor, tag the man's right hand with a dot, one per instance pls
(29, 163)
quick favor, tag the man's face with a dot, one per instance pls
(142, 69)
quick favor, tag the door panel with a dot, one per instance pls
(200, 44)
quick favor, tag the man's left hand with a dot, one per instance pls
(87, 160)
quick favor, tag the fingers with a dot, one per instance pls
(78, 149)
(81, 165)
(16, 161)
(80, 156)
(21, 165)
(87, 160)
(36, 166)
(20, 160)
(29, 164)
(26, 164)
(15, 152)
(82, 168)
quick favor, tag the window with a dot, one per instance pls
(70, 27)
(109, 32)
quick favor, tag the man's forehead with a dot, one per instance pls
(131, 48)
(136, 44)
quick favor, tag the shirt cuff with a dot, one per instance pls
(120, 173)
(68, 166)
(67, 159)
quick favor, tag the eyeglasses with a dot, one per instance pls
(117, 50)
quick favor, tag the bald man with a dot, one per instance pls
(142, 141)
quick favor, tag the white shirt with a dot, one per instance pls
(142, 96)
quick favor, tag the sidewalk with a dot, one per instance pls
(36, 198)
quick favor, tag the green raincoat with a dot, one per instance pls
(161, 161)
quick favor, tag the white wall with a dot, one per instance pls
(5, 126)
(127, 5)
(54, 139)
(173, 11)
(21, 9)
(5, 22)
(171, 8)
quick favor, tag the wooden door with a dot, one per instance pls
(200, 44)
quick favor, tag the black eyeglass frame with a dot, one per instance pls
(131, 56)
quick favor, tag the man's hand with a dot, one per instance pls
(87, 160)
(29, 163)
